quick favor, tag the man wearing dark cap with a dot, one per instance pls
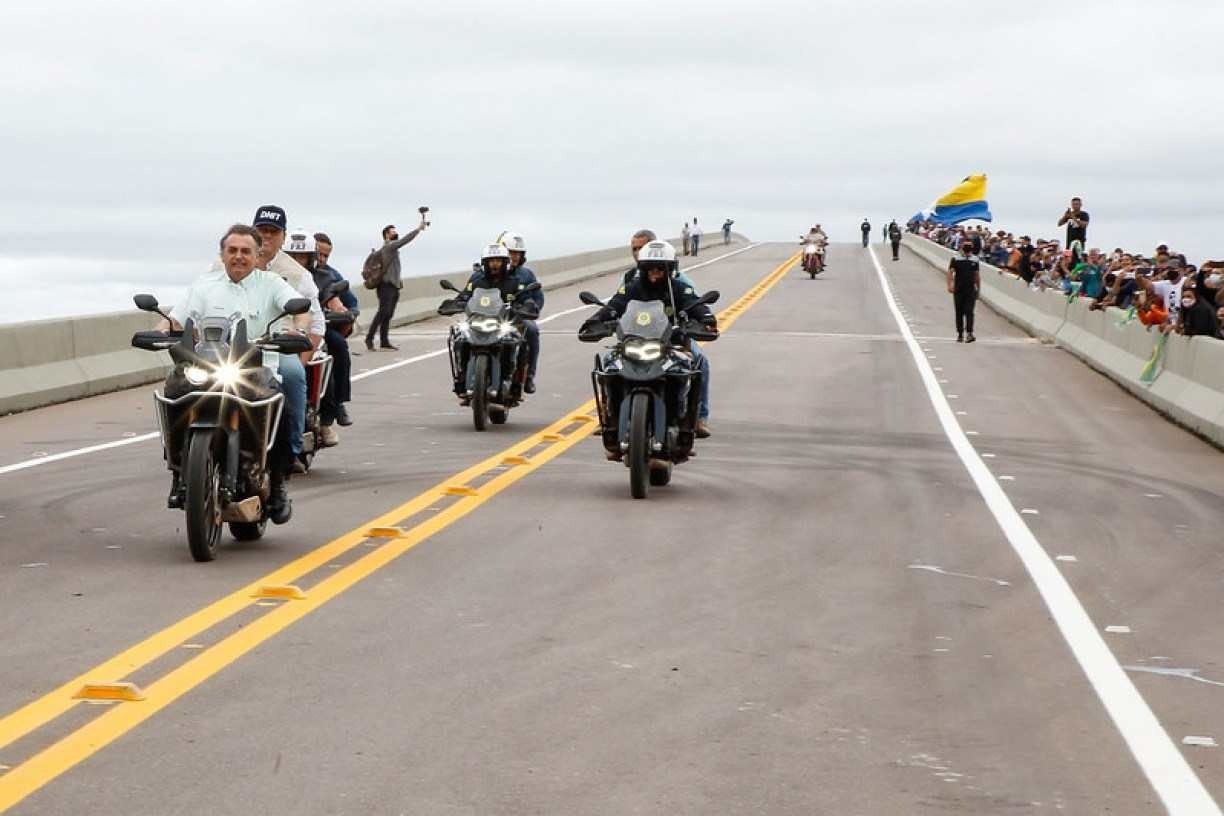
(390, 285)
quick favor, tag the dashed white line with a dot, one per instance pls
(1166, 769)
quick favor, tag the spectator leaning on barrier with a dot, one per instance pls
(390, 285)
(1196, 316)
(1076, 220)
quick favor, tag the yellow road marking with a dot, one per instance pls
(37, 771)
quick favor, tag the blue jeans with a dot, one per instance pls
(293, 384)
(695, 241)
(703, 365)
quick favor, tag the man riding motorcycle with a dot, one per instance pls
(517, 246)
(656, 279)
(814, 244)
(259, 296)
(639, 240)
(495, 273)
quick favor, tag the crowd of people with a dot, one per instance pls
(1160, 288)
(690, 236)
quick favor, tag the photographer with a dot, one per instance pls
(1076, 220)
(390, 282)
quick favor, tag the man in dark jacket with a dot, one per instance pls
(964, 282)
(894, 237)
(390, 285)
(517, 245)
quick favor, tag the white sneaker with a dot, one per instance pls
(328, 436)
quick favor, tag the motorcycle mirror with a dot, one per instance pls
(589, 299)
(709, 297)
(297, 306)
(533, 287)
(445, 284)
(145, 303)
(340, 287)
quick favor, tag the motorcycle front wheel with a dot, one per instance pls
(639, 446)
(202, 479)
(480, 392)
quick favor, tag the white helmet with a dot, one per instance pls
(658, 252)
(300, 241)
(512, 241)
(495, 251)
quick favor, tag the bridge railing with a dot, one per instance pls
(48, 361)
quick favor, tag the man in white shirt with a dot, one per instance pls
(695, 237)
(259, 296)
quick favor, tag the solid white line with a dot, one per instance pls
(118, 443)
(1174, 781)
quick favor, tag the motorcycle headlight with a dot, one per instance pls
(228, 375)
(643, 351)
(196, 375)
(506, 327)
(485, 324)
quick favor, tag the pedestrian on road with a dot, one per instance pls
(894, 237)
(684, 237)
(964, 283)
(1076, 220)
(865, 228)
(390, 285)
(695, 237)
(727, 231)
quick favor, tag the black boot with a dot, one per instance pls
(529, 386)
(280, 508)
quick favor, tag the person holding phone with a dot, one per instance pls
(1076, 219)
(392, 282)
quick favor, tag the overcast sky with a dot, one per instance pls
(135, 132)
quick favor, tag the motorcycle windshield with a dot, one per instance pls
(646, 319)
(485, 303)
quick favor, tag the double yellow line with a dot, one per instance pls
(462, 493)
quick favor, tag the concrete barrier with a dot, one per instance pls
(1189, 388)
(48, 361)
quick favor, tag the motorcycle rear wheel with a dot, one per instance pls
(480, 392)
(203, 482)
(639, 446)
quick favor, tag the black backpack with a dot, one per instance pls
(372, 269)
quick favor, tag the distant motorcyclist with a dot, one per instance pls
(815, 243)
(865, 228)
(495, 273)
(639, 240)
(517, 246)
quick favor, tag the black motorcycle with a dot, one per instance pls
(488, 352)
(218, 417)
(647, 388)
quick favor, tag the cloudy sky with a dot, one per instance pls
(134, 132)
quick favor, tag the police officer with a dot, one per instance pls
(495, 273)
(865, 228)
(517, 246)
(894, 237)
(964, 283)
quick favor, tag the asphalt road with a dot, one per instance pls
(820, 615)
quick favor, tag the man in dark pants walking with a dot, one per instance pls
(390, 285)
(894, 237)
(964, 282)
(865, 228)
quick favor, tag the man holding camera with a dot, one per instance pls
(1076, 220)
(391, 283)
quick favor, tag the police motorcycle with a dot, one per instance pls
(218, 415)
(488, 352)
(318, 375)
(646, 387)
(813, 256)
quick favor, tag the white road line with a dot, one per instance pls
(1174, 781)
(131, 440)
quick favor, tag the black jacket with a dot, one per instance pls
(508, 283)
(637, 289)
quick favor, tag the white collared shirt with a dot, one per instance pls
(259, 297)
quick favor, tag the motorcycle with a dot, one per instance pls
(647, 388)
(218, 415)
(813, 258)
(488, 351)
(318, 375)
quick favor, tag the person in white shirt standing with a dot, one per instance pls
(695, 237)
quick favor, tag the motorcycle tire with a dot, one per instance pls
(498, 416)
(660, 477)
(247, 530)
(202, 479)
(639, 446)
(480, 392)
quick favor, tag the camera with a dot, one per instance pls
(424, 212)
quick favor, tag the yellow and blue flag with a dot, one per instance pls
(964, 202)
